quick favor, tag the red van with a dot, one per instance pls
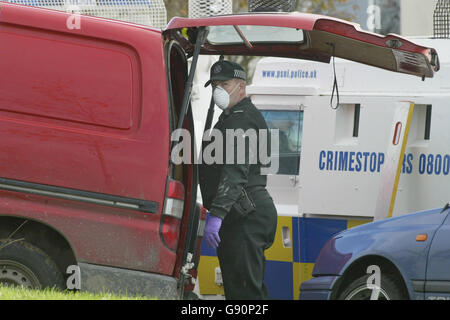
(86, 119)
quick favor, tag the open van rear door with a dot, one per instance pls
(303, 36)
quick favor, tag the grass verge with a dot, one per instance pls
(19, 293)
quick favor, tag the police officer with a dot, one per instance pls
(242, 217)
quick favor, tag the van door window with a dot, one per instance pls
(220, 35)
(289, 124)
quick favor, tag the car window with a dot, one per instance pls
(289, 124)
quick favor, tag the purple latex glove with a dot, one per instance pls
(212, 228)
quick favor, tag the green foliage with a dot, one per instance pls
(326, 7)
(176, 8)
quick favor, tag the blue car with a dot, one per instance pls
(406, 257)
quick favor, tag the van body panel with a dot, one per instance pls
(86, 109)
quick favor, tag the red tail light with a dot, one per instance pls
(172, 214)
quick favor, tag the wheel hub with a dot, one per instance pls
(364, 293)
(13, 273)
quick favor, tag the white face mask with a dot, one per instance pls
(222, 97)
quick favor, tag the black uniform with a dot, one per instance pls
(244, 237)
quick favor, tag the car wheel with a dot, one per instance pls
(360, 290)
(22, 264)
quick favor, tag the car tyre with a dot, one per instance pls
(360, 290)
(23, 264)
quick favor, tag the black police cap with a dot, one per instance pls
(225, 70)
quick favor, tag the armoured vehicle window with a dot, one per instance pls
(289, 124)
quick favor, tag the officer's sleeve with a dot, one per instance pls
(234, 176)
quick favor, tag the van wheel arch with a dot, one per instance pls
(42, 236)
(359, 268)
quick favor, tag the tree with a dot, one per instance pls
(176, 8)
(326, 7)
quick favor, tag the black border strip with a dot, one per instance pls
(78, 195)
(356, 120)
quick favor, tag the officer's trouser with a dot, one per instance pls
(241, 250)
